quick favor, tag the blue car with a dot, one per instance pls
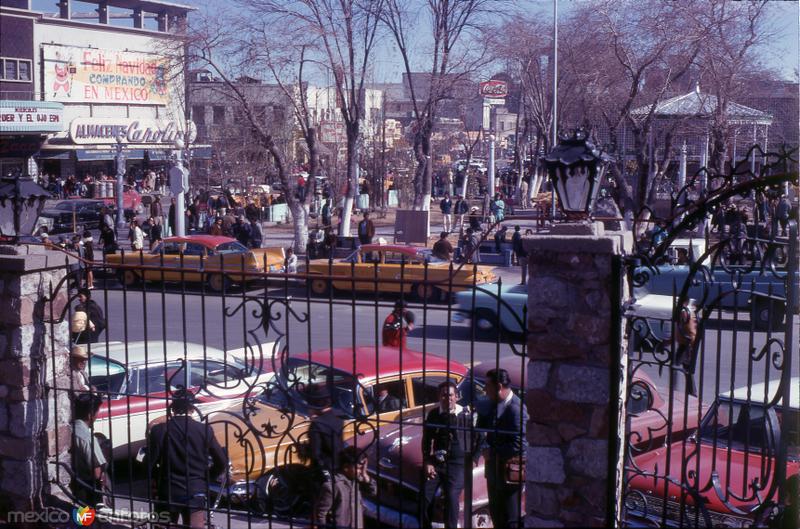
(763, 295)
(490, 316)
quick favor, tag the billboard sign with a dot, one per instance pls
(31, 116)
(494, 89)
(91, 75)
(332, 132)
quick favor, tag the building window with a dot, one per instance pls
(219, 115)
(15, 69)
(199, 114)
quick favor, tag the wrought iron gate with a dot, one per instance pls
(713, 421)
(265, 352)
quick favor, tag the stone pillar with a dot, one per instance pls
(34, 421)
(575, 385)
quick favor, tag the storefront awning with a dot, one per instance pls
(53, 155)
(84, 155)
(202, 152)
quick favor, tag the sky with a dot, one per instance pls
(782, 54)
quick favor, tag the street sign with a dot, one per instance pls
(178, 179)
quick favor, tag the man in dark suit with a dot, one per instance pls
(387, 402)
(504, 422)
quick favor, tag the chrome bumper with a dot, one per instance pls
(237, 494)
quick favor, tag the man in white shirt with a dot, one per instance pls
(137, 237)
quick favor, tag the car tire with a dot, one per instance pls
(768, 315)
(319, 287)
(128, 278)
(486, 324)
(424, 292)
(218, 282)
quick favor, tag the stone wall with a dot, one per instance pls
(34, 422)
(573, 334)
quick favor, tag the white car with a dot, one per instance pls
(137, 377)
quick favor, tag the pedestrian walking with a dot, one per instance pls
(498, 208)
(503, 421)
(156, 230)
(256, 233)
(107, 219)
(241, 231)
(783, 214)
(500, 238)
(446, 207)
(327, 213)
(448, 447)
(366, 230)
(87, 328)
(136, 236)
(397, 325)
(461, 209)
(88, 255)
(291, 261)
(108, 239)
(156, 210)
(88, 460)
(472, 244)
(216, 228)
(179, 452)
(171, 217)
(341, 505)
(520, 253)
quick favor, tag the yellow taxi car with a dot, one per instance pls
(214, 259)
(394, 267)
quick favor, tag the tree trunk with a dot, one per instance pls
(424, 170)
(352, 180)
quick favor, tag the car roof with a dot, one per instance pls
(369, 362)
(411, 251)
(757, 392)
(209, 241)
(153, 351)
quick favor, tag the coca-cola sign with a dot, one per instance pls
(494, 89)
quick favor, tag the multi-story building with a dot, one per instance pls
(114, 73)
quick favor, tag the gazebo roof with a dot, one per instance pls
(697, 104)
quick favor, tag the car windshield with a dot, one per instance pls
(225, 248)
(107, 375)
(748, 426)
(300, 376)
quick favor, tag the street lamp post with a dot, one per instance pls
(180, 202)
(120, 161)
(490, 182)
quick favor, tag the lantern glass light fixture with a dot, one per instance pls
(21, 202)
(576, 169)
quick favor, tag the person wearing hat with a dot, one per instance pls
(503, 422)
(95, 319)
(397, 325)
(474, 219)
(179, 451)
(78, 360)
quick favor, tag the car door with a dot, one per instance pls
(194, 256)
(394, 267)
(167, 256)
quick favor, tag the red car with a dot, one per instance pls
(729, 465)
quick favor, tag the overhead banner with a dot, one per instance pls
(97, 131)
(91, 75)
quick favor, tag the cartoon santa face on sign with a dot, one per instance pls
(64, 69)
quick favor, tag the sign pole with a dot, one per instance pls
(180, 203)
(119, 184)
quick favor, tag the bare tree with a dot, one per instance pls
(342, 32)
(457, 50)
(224, 49)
